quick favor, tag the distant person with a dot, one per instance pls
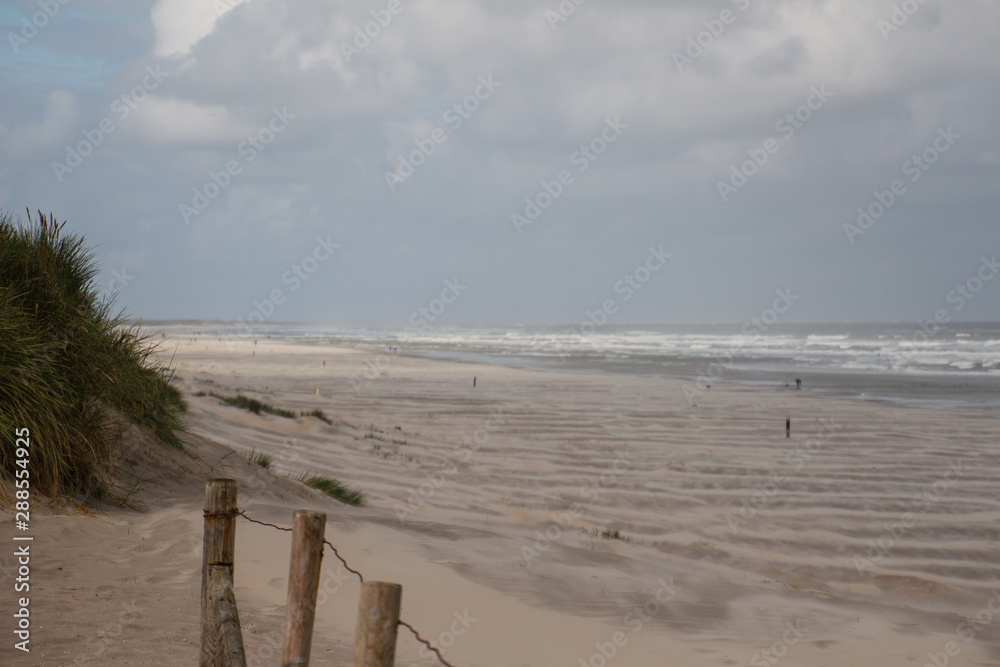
(798, 383)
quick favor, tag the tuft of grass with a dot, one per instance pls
(72, 370)
(609, 534)
(334, 488)
(318, 414)
(263, 459)
(253, 405)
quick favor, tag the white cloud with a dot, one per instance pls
(161, 120)
(180, 24)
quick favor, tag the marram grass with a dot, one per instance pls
(334, 488)
(70, 369)
(263, 459)
(253, 405)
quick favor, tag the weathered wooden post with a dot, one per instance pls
(378, 621)
(303, 584)
(221, 638)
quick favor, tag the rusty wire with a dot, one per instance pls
(360, 577)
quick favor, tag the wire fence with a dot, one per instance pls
(360, 577)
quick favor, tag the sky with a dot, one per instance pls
(514, 162)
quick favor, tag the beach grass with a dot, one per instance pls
(318, 414)
(609, 534)
(72, 368)
(263, 459)
(253, 405)
(334, 488)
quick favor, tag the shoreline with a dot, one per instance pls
(901, 385)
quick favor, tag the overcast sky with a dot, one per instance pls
(740, 137)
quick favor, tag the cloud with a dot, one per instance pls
(162, 120)
(180, 24)
(354, 115)
(59, 117)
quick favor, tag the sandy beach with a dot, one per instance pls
(545, 518)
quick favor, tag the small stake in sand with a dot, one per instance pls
(788, 427)
(303, 583)
(378, 620)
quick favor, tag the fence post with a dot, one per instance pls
(218, 605)
(378, 621)
(303, 583)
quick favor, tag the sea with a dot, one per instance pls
(953, 364)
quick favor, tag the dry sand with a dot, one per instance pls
(488, 505)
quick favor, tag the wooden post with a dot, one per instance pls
(217, 562)
(378, 621)
(226, 641)
(303, 583)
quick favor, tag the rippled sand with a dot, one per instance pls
(872, 530)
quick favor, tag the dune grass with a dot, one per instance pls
(318, 414)
(258, 407)
(263, 459)
(253, 405)
(609, 534)
(71, 370)
(334, 488)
